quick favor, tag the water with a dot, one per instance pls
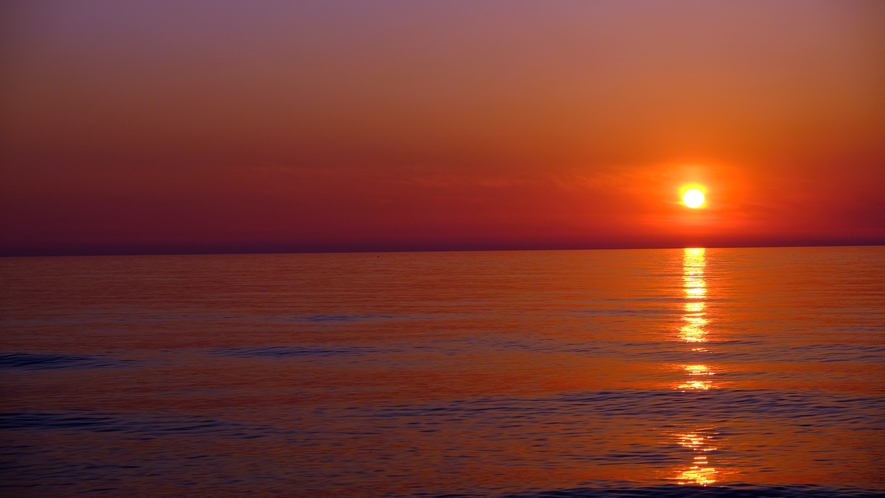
(718, 372)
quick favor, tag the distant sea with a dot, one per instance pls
(695, 372)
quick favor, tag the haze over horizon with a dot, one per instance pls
(197, 126)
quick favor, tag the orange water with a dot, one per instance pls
(430, 373)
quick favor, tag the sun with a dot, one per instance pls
(693, 198)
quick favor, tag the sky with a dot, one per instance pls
(192, 126)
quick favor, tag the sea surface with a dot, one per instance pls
(695, 372)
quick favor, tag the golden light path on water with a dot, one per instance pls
(694, 331)
(693, 263)
(700, 471)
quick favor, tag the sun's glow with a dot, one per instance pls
(693, 198)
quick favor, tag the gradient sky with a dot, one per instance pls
(190, 126)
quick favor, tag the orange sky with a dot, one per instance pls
(234, 126)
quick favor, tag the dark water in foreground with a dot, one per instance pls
(725, 372)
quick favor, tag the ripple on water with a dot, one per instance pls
(280, 352)
(47, 361)
(137, 426)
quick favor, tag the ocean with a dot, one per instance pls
(672, 372)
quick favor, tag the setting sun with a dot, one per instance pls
(693, 198)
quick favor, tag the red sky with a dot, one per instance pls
(216, 126)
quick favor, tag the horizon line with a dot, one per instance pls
(246, 252)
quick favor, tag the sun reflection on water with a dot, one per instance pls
(695, 383)
(694, 262)
(700, 471)
(695, 287)
(698, 370)
(694, 330)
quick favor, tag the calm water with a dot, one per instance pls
(718, 372)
